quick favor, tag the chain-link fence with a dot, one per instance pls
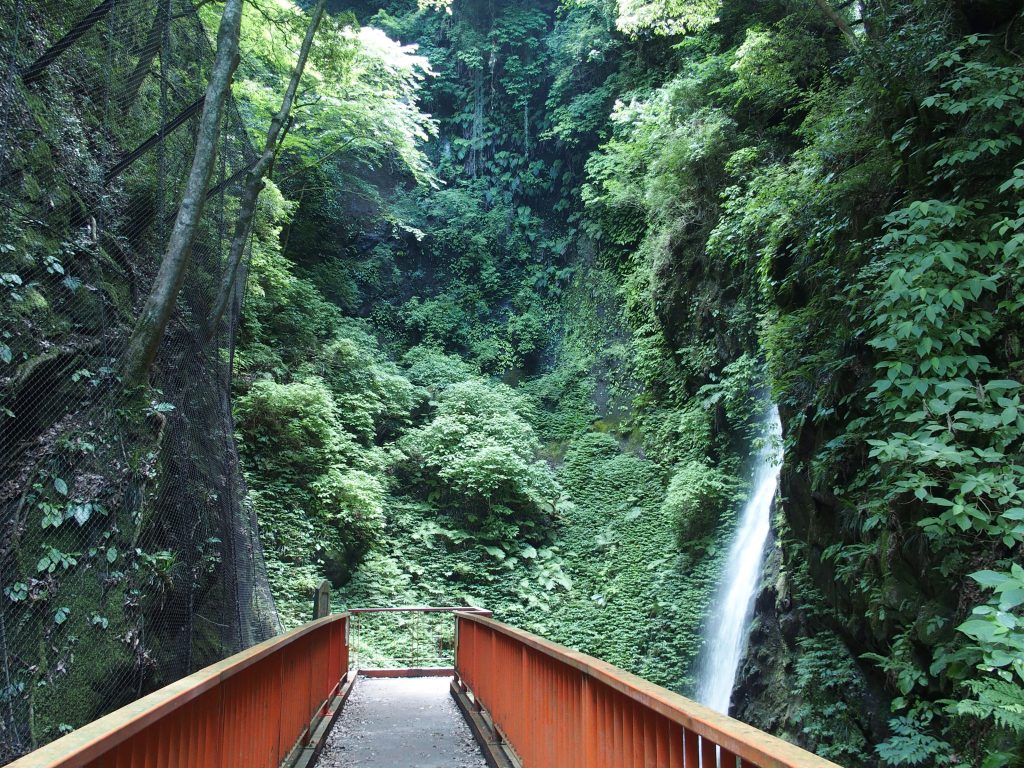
(127, 554)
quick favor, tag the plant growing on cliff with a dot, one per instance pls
(948, 434)
(318, 514)
(696, 499)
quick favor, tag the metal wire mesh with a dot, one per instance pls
(127, 555)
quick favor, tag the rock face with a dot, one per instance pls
(127, 557)
(798, 679)
(805, 675)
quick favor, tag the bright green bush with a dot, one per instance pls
(374, 401)
(292, 430)
(697, 498)
(315, 511)
(351, 504)
(775, 65)
(480, 452)
(432, 368)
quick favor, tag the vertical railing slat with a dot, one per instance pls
(708, 753)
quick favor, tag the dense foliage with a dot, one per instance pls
(526, 282)
(651, 215)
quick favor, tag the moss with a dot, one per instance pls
(33, 302)
(84, 661)
(119, 296)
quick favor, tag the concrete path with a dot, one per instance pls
(401, 723)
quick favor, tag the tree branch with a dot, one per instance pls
(840, 23)
(255, 181)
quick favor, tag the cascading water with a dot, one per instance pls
(726, 632)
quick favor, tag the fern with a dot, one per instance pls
(1000, 701)
(909, 745)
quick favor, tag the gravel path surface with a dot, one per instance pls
(401, 723)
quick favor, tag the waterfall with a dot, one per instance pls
(726, 631)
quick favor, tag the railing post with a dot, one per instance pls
(529, 697)
(322, 600)
(345, 647)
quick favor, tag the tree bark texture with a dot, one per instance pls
(841, 24)
(152, 322)
(254, 182)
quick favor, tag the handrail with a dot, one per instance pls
(424, 609)
(251, 709)
(558, 708)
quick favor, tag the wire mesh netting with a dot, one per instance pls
(128, 557)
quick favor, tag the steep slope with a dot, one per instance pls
(127, 558)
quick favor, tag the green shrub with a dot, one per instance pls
(374, 400)
(351, 502)
(698, 495)
(588, 450)
(480, 452)
(430, 367)
(291, 430)
(316, 513)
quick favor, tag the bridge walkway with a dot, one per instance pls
(528, 702)
(410, 721)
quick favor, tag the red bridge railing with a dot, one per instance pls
(251, 710)
(554, 707)
(560, 709)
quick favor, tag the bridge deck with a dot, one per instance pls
(401, 722)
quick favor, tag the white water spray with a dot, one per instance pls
(726, 631)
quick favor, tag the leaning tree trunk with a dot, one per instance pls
(254, 181)
(840, 23)
(149, 328)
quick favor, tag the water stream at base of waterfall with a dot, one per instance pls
(728, 623)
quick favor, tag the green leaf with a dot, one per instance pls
(62, 614)
(495, 552)
(17, 592)
(989, 578)
(82, 513)
(984, 631)
(111, 554)
(61, 486)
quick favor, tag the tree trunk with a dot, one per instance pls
(254, 182)
(841, 23)
(149, 329)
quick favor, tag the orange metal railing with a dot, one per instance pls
(250, 710)
(560, 709)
